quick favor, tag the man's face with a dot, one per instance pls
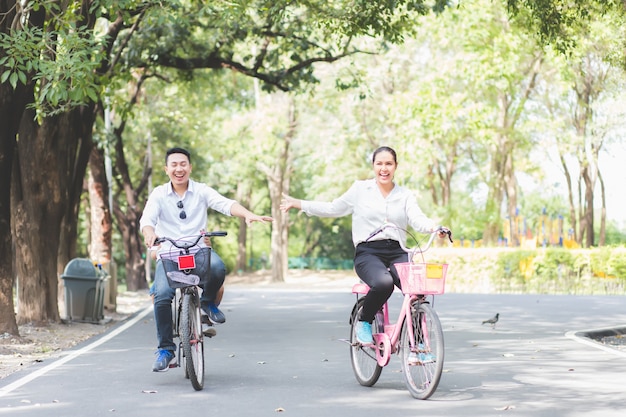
(178, 168)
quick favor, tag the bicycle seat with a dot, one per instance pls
(360, 288)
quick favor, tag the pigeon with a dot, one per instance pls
(493, 320)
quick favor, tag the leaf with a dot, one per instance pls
(13, 79)
(91, 93)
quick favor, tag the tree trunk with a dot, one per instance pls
(278, 180)
(602, 237)
(8, 324)
(570, 193)
(41, 193)
(510, 184)
(12, 105)
(101, 224)
(243, 196)
(8, 119)
(494, 197)
(588, 211)
(134, 252)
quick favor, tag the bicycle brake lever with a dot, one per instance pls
(447, 232)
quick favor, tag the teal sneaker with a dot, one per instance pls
(421, 357)
(364, 332)
(163, 360)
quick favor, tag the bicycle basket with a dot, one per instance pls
(422, 278)
(184, 270)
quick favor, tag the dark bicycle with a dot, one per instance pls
(182, 265)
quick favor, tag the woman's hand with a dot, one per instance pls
(443, 232)
(290, 202)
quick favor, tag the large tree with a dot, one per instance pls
(59, 58)
(590, 35)
(277, 44)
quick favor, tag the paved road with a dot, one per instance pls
(279, 353)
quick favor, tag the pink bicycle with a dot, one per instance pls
(416, 336)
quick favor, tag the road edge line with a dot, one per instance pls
(73, 354)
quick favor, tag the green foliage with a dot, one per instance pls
(555, 269)
(617, 264)
(60, 59)
(614, 235)
(558, 22)
(276, 41)
(560, 270)
(513, 269)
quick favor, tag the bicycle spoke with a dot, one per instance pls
(364, 364)
(192, 340)
(422, 360)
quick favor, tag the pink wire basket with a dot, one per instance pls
(422, 278)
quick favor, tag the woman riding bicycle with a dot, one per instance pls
(178, 209)
(372, 203)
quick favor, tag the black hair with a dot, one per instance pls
(177, 150)
(385, 149)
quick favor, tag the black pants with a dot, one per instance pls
(373, 263)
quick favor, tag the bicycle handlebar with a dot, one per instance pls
(186, 246)
(418, 248)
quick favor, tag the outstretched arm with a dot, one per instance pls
(240, 211)
(289, 202)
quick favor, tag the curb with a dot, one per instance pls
(591, 337)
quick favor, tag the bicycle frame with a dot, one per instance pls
(387, 343)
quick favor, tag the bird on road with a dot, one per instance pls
(493, 320)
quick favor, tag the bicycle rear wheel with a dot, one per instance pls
(422, 371)
(192, 340)
(366, 368)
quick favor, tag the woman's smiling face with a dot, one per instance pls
(384, 167)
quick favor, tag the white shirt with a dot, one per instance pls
(162, 213)
(370, 210)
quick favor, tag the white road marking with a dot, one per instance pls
(74, 354)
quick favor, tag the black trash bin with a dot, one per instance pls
(84, 291)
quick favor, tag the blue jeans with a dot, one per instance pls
(163, 295)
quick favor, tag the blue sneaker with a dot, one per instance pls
(364, 332)
(214, 313)
(163, 360)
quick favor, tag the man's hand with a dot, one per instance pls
(251, 218)
(149, 236)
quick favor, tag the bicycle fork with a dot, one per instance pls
(420, 342)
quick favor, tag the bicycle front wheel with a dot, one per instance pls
(422, 363)
(192, 340)
(364, 363)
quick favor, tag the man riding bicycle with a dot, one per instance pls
(178, 208)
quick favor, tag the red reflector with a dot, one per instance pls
(186, 262)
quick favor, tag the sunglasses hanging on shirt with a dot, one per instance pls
(182, 213)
